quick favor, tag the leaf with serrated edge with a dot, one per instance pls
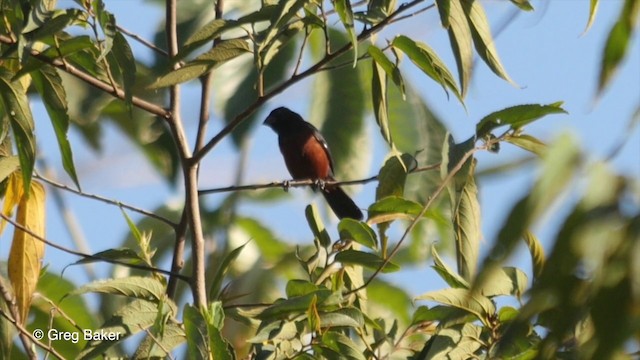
(124, 56)
(428, 61)
(461, 42)
(516, 116)
(476, 304)
(482, 39)
(196, 333)
(134, 317)
(133, 286)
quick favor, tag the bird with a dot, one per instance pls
(307, 156)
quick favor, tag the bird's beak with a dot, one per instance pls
(268, 121)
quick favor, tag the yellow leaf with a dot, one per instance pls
(27, 251)
(15, 191)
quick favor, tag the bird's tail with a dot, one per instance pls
(341, 203)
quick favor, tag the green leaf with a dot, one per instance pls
(528, 143)
(558, 170)
(48, 83)
(41, 12)
(344, 317)
(218, 55)
(203, 338)
(285, 11)
(516, 116)
(133, 286)
(379, 99)
(316, 225)
(246, 92)
(617, 43)
(593, 9)
(16, 105)
(482, 39)
(108, 25)
(460, 341)
(465, 208)
(216, 285)
(447, 274)
(184, 74)
(297, 287)
(480, 306)
(393, 175)
(391, 297)
(132, 318)
(523, 4)
(51, 288)
(393, 207)
(343, 8)
(537, 253)
(123, 255)
(508, 281)
(220, 348)
(427, 61)
(342, 344)
(52, 23)
(368, 260)
(159, 343)
(389, 68)
(124, 56)
(457, 26)
(299, 304)
(357, 231)
(271, 248)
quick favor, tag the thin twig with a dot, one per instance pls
(108, 201)
(413, 223)
(9, 300)
(300, 183)
(142, 41)
(89, 256)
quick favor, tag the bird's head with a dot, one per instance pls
(279, 118)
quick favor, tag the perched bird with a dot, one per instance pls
(307, 156)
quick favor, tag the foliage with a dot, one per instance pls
(326, 299)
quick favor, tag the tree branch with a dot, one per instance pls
(108, 201)
(9, 300)
(286, 184)
(89, 256)
(294, 79)
(93, 81)
(413, 223)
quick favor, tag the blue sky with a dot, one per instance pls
(545, 53)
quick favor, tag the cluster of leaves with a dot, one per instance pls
(336, 304)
